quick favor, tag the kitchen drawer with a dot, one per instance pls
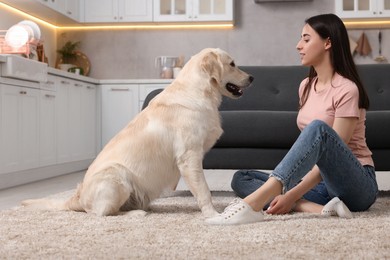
(50, 84)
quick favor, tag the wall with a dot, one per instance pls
(48, 34)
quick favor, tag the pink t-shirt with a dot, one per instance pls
(339, 100)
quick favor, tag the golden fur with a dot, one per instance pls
(168, 139)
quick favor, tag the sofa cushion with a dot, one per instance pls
(378, 129)
(275, 88)
(262, 129)
(375, 78)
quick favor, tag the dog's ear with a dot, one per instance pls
(212, 66)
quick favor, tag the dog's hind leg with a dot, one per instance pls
(107, 191)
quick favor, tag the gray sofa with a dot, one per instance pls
(260, 127)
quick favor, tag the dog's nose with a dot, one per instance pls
(251, 78)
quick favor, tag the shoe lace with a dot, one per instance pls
(231, 208)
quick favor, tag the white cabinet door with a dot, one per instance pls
(58, 5)
(193, 10)
(119, 106)
(383, 8)
(135, 10)
(19, 128)
(76, 121)
(89, 121)
(213, 10)
(362, 8)
(47, 128)
(101, 11)
(172, 10)
(63, 122)
(118, 11)
(72, 9)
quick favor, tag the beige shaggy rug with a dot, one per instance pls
(174, 229)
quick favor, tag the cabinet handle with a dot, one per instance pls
(115, 18)
(69, 12)
(65, 82)
(23, 92)
(89, 87)
(120, 89)
(50, 82)
(50, 96)
(78, 85)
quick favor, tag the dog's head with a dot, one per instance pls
(223, 72)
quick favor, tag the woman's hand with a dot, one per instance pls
(281, 204)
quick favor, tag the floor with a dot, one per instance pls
(216, 179)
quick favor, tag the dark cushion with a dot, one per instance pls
(261, 129)
(275, 88)
(378, 129)
(376, 79)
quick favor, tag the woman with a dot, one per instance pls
(330, 163)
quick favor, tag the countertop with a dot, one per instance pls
(57, 72)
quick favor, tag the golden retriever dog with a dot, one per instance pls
(166, 140)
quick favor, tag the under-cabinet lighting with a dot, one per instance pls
(226, 25)
(363, 24)
(150, 26)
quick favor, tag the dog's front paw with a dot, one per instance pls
(210, 213)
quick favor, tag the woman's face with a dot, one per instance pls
(312, 48)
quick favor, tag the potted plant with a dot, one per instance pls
(68, 55)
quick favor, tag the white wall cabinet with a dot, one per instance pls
(19, 136)
(57, 5)
(72, 9)
(192, 10)
(97, 11)
(69, 8)
(362, 8)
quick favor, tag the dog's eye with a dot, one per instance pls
(232, 64)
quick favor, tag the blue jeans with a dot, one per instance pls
(342, 174)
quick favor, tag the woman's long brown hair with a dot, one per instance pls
(330, 26)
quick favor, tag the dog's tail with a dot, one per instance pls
(72, 203)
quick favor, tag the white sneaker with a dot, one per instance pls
(238, 212)
(335, 207)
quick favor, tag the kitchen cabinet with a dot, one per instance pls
(76, 124)
(192, 10)
(89, 121)
(48, 123)
(362, 8)
(57, 5)
(19, 136)
(119, 106)
(121, 102)
(72, 9)
(98, 11)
